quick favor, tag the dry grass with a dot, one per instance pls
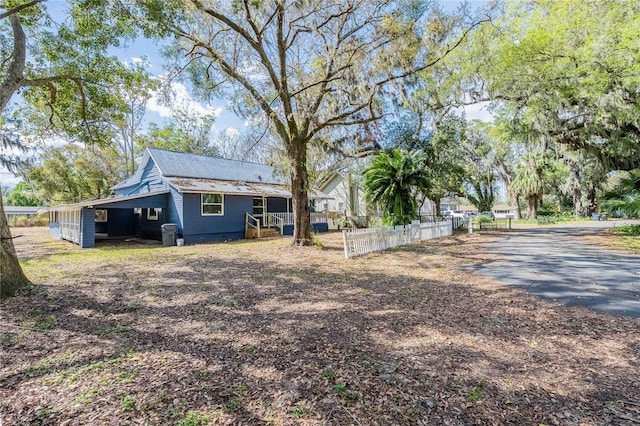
(259, 332)
(625, 243)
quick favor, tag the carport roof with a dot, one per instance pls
(107, 202)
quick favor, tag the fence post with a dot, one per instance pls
(470, 225)
(346, 245)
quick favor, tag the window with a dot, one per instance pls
(101, 215)
(212, 205)
(340, 207)
(258, 206)
(137, 211)
(153, 214)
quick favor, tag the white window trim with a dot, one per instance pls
(202, 204)
(263, 207)
(155, 216)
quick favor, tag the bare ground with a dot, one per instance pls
(258, 332)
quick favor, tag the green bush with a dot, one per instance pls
(546, 220)
(484, 219)
(631, 230)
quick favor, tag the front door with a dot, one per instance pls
(260, 209)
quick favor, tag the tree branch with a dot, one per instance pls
(17, 9)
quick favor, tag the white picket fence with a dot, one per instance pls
(358, 242)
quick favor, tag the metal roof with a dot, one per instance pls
(19, 210)
(235, 188)
(228, 187)
(181, 164)
(104, 201)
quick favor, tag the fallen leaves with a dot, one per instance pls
(258, 332)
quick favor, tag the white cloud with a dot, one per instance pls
(478, 111)
(7, 178)
(137, 60)
(231, 132)
(180, 97)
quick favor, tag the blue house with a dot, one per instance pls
(207, 198)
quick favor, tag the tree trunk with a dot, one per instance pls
(515, 203)
(592, 207)
(532, 211)
(299, 192)
(12, 279)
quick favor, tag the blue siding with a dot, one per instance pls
(159, 200)
(175, 210)
(151, 180)
(151, 229)
(87, 228)
(230, 226)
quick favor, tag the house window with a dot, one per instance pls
(340, 207)
(212, 205)
(137, 211)
(258, 206)
(153, 213)
(101, 215)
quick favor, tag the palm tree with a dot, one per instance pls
(528, 183)
(625, 196)
(393, 180)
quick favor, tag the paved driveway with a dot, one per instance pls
(552, 263)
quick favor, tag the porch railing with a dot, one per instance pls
(319, 217)
(251, 223)
(276, 222)
(281, 219)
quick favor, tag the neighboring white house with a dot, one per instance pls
(448, 204)
(502, 211)
(346, 198)
(13, 211)
(468, 209)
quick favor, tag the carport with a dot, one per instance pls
(139, 215)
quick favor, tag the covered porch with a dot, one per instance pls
(281, 223)
(139, 215)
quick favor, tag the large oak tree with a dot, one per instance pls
(311, 67)
(64, 74)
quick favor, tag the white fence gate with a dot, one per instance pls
(358, 242)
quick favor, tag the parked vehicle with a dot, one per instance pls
(454, 213)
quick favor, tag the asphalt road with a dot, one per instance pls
(552, 263)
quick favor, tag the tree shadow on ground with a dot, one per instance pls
(251, 340)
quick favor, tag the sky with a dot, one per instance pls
(226, 120)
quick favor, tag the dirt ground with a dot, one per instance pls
(258, 332)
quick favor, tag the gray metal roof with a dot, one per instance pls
(181, 164)
(228, 187)
(18, 210)
(237, 188)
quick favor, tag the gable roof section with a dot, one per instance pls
(194, 166)
(181, 164)
(330, 180)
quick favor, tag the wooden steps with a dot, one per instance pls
(264, 233)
